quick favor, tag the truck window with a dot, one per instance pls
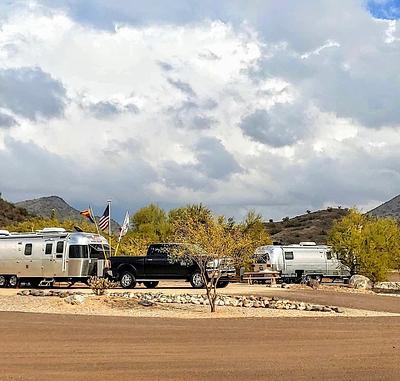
(158, 250)
(49, 248)
(78, 251)
(328, 255)
(60, 247)
(289, 255)
(28, 249)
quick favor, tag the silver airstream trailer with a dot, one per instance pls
(302, 261)
(50, 255)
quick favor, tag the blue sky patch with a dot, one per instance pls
(384, 9)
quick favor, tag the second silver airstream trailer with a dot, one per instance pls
(303, 261)
(51, 255)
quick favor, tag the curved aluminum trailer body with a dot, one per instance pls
(296, 261)
(52, 254)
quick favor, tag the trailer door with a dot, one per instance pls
(59, 261)
(48, 259)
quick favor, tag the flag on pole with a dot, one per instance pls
(104, 221)
(87, 213)
(125, 225)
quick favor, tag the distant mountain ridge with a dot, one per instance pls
(389, 208)
(46, 206)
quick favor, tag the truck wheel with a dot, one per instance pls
(13, 281)
(3, 281)
(222, 283)
(127, 280)
(196, 280)
(153, 284)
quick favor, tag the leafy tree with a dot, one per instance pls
(194, 212)
(249, 235)
(151, 223)
(346, 238)
(205, 242)
(214, 242)
(369, 246)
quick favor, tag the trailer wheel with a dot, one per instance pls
(127, 280)
(196, 280)
(153, 284)
(3, 281)
(13, 281)
(318, 278)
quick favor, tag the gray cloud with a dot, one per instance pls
(110, 109)
(215, 164)
(31, 93)
(182, 86)
(165, 66)
(194, 115)
(7, 121)
(214, 160)
(209, 55)
(284, 124)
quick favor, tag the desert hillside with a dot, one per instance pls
(10, 213)
(312, 226)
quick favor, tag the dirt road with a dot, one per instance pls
(59, 347)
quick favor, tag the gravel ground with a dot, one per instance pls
(111, 306)
(354, 303)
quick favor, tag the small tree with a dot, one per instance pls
(206, 243)
(214, 243)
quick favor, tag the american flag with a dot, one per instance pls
(104, 221)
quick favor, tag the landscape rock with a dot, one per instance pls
(75, 299)
(146, 303)
(360, 282)
(388, 285)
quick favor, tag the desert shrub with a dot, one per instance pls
(100, 285)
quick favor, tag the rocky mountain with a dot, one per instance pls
(389, 208)
(312, 226)
(47, 206)
(10, 213)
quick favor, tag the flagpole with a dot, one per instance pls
(98, 232)
(119, 241)
(122, 232)
(109, 226)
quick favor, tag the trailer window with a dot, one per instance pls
(289, 255)
(60, 247)
(28, 249)
(78, 251)
(328, 255)
(49, 248)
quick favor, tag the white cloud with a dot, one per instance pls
(156, 112)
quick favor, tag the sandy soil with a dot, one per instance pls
(110, 306)
(328, 295)
(42, 347)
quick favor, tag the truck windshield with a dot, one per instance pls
(97, 251)
(78, 251)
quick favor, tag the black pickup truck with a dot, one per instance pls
(156, 265)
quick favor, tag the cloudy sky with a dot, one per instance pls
(278, 106)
